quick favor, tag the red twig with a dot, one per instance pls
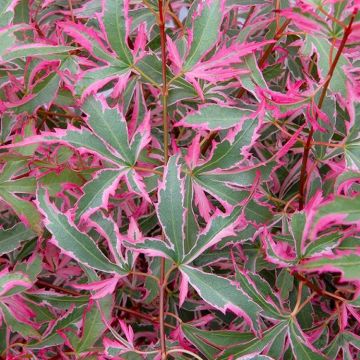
(307, 147)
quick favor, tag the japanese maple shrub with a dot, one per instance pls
(180, 179)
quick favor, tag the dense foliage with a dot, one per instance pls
(180, 179)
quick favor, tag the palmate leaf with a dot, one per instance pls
(108, 140)
(222, 294)
(150, 68)
(219, 176)
(117, 66)
(70, 240)
(175, 218)
(118, 220)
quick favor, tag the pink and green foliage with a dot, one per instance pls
(180, 179)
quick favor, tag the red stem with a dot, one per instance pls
(307, 148)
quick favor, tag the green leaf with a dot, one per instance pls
(54, 182)
(15, 325)
(24, 209)
(109, 125)
(218, 228)
(35, 50)
(115, 27)
(13, 283)
(10, 239)
(57, 300)
(347, 264)
(254, 77)
(285, 283)
(222, 294)
(42, 313)
(99, 74)
(352, 143)
(269, 310)
(97, 192)
(215, 117)
(6, 12)
(210, 343)
(153, 247)
(7, 37)
(43, 92)
(344, 209)
(228, 153)
(240, 177)
(52, 338)
(94, 324)
(82, 34)
(191, 225)
(342, 341)
(298, 221)
(256, 345)
(323, 49)
(322, 244)
(73, 242)
(220, 190)
(21, 186)
(170, 209)
(300, 347)
(81, 139)
(110, 230)
(206, 30)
